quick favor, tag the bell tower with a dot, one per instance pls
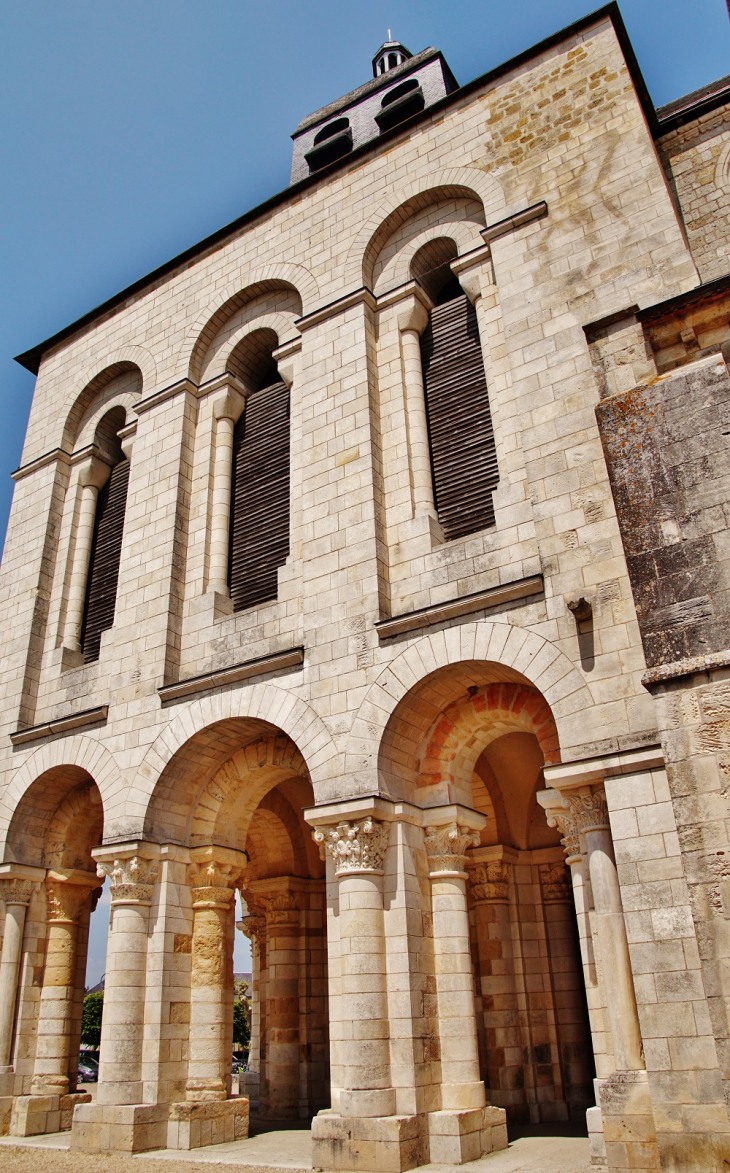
(389, 56)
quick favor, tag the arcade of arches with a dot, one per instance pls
(420, 975)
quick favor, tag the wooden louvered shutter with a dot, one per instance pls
(259, 533)
(463, 455)
(106, 547)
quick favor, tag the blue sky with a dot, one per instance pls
(132, 129)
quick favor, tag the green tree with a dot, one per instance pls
(91, 1019)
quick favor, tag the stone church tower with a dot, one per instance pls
(372, 559)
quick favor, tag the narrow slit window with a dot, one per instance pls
(461, 436)
(259, 531)
(106, 548)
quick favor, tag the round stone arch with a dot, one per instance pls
(397, 271)
(408, 198)
(79, 755)
(466, 726)
(250, 284)
(282, 324)
(494, 651)
(261, 764)
(264, 710)
(95, 378)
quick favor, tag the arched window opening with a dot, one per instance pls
(259, 529)
(392, 60)
(400, 103)
(106, 544)
(460, 431)
(330, 143)
(332, 128)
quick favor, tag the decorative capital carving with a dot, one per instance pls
(569, 831)
(589, 810)
(489, 881)
(282, 908)
(354, 847)
(555, 883)
(16, 891)
(64, 900)
(131, 879)
(446, 847)
(253, 927)
(213, 879)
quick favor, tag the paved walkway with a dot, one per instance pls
(291, 1149)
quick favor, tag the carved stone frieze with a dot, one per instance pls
(446, 847)
(354, 847)
(555, 883)
(16, 891)
(132, 880)
(489, 881)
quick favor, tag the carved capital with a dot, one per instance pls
(132, 880)
(446, 847)
(489, 881)
(16, 891)
(589, 810)
(64, 900)
(282, 908)
(214, 874)
(555, 883)
(354, 847)
(569, 831)
(253, 927)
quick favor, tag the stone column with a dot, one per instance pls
(132, 877)
(573, 1061)
(16, 894)
(214, 873)
(357, 850)
(66, 892)
(464, 1128)
(412, 321)
(92, 476)
(282, 901)
(489, 872)
(253, 926)
(590, 815)
(627, 1116)
(226, 410)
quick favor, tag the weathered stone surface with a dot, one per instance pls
(423, 982)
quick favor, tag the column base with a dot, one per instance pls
(628, 1121)
(595, 1136)
(193, 1125)
(34, 1115)
(123, 1128)
(382, 1144)
(459, 1135)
